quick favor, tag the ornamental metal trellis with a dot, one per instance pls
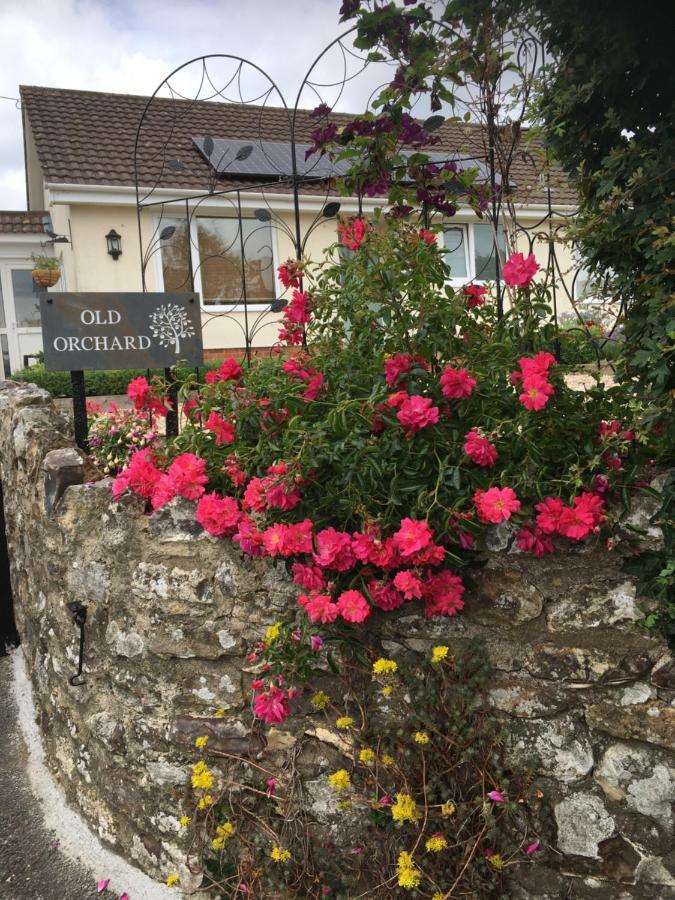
(214, 209)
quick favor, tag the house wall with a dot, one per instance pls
(88, 267)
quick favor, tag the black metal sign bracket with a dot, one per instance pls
(79, 613)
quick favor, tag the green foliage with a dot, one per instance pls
(45, 262)
(110, 382)
(655, 569)
(609, 119)
(390, 297)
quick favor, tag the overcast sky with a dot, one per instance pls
(130, 46)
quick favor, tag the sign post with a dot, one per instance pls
(119, 331)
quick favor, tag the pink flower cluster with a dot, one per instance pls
(295, 316)
(186, 477)
(145, 399)
(278, 489)
(474, 294)
(224, 431)
(298, 369)
(290, 273)
(575, 522)
(533, 379)
(352, 232)
(400, 365)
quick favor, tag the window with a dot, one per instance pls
(176, 258)
(217, 245)
(26, 302)
(470, 251)
(456, 255)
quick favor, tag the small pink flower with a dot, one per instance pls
(457, 384)
(496, 797)
(533, 848)
(417, 413)
(353, 606)
(385, 800)
(271, 787)
(124, 896)
(496, 504)
(102, 885)
(315, 643)
(272, 706)
(55, 845)
(518, 270)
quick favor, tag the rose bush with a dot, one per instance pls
(399, 422)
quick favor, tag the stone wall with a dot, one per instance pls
(171, 616)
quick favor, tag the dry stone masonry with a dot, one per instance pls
(588, 701)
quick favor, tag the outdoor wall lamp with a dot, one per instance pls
(114, 241)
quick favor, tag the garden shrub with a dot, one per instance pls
(372, 461)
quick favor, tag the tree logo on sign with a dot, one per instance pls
(169, 324)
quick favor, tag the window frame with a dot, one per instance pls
(236, 307)
(470, 254)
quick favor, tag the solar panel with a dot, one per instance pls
(268, 159)
(273, 159)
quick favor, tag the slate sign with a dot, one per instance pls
(120, 331)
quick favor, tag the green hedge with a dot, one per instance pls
(113, 381)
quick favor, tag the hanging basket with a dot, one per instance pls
(46, 277)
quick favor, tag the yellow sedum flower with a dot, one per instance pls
(220, 712)
(184, 821)
(409, 876)
(496, 861)
(223, 833)
(387, 760)
(340, 781)
(405, 809)
(421, 737)
(448, 808)
(206, 801)
(439, 653)
(202, 741)
(202, 778)
(279, 855)
(436, 843)
(387, 690)
(320, 700)
(344, 722)
(384, 667)
(367, 755)
(173, 879)
(437, 896)
(272, 633)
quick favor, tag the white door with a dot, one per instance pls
(5, 330)
(20, 331)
